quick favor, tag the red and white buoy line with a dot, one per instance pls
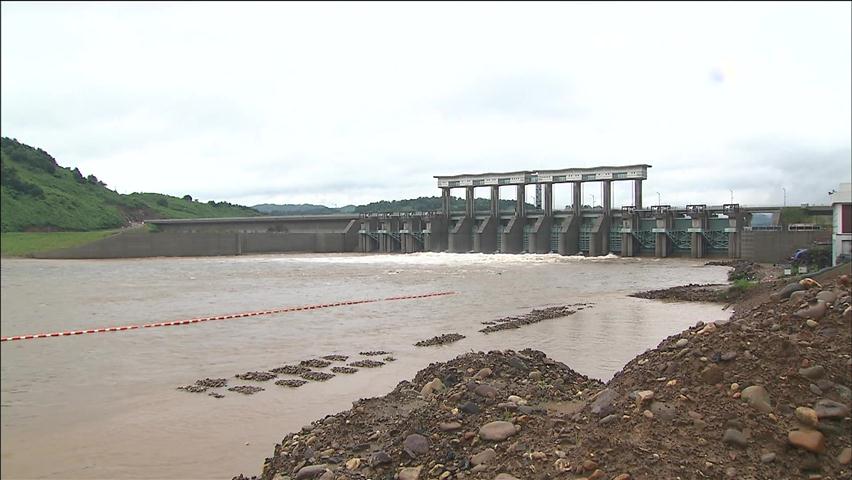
(221, 317)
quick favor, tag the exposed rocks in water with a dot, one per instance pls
(729, 402)
(193, 388)
(346, 370)
(315, 363)
(291, 382)
(535, 316)
(389, 359)
(316, 376)
(216, 395)
(367, 363)
(374, 353)
(708, 292)
(256, 376)
(336, 358)
(246, 389)
(741, 269)
(290, 370)
(212, 382)
(440, 340)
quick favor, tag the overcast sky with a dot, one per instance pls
(350, 103)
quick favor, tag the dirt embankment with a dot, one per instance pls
(766, 394)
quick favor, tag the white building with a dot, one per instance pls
(841, 237)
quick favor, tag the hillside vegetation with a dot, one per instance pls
(420, 204)
(40, 195)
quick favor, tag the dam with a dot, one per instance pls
(696, 230)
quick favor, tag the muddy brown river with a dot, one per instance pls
(106, 405)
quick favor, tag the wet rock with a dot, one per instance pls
(711, 375)
(485, 456)
(602, 404)
(316, 376)
(336, 358)
(517, 363)
(734, 437)
(344, 370)
(810, 440)
(311, 471)
(366, 363)
(246, 389)
(826, 408)
(497, 431)
(440, 340)
(814, 373)
(807, 416)
(290, 382)
(212, 382)
(315, 363)
(373, 353)
(256, 376)
(290, 370)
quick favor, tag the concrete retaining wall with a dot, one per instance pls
(162, 244)
(774, 247)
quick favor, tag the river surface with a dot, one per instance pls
(106, 405)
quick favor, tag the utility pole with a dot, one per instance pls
(593, 200)
(732, 196)
(659, 201)
(785, 195)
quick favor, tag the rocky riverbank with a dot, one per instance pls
(766, 394)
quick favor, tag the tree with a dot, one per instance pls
(188, 198)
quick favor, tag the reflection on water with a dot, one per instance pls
(105, 405)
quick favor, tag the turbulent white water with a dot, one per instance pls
(106, 405)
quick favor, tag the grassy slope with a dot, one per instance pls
(67, 203)
(19, 244)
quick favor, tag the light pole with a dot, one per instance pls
(593, 200)
(732, 196)
(785, 195)
(659, 202)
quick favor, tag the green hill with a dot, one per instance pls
(40, 195)
(420, 204)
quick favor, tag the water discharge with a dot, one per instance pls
(106, 406)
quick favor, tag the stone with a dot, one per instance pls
(623, 476)
(535, 375)
(486, 391)
(730, 472)
(826, 408)
(517, 400)
(810, 440)
(814, 373)
(807, 416)
(483, 374)
(712, 374)
(767, 457)
(663, 411)
(826, 296)
(648, 414)
(415, 445)
(845, 456)
(380, 458)
(505, 476)
(311, 471)
(608, 419)
(798, 297)
(735, 437)
(483, 457)
(811, 323)
(757, 397)
(469, 408)
(814, 311)
(644, 396)
(497, 431)
(602, 404)
(353, 463)
(517, 363)
(681, 343)
(410, 473)
(728, 356)
(449, 426)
